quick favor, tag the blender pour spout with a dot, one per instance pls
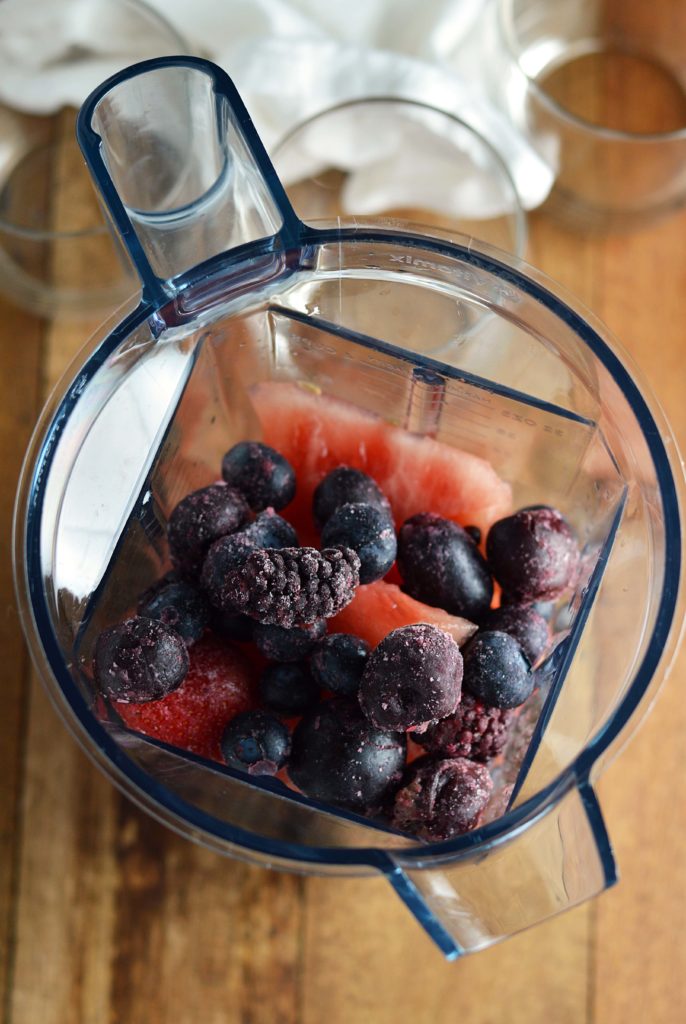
(181, 169)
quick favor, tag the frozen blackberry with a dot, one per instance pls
(340, 757)
(288, 689)
(139, 660)
(344, 486)
(441, 565)
(201, 518)
(338, 661)
(294, 586)
(441, 797)
(496, 670)
(268, 530)
(180, 606)
(412, 678)
(474, 730)
(524, 623)
(368, 531)
(280, 644)
(256, 742)
(533, 554)
(260, 473)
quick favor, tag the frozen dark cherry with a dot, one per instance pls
(496, 670)
(338, 661)
(524, 623)
(441, 565)
(260, 473)
(339, 757)
(256, 742)
(441, 797)
(288, 689)
(201, 518)
(533, 554)
(139, 660)
(180, 606)
(344, 486)
(280, 644)
(475, 730)
(412, 678)
(367, 530)
(294, 586)
(268, 530)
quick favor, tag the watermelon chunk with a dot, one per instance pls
(379, 607)
(316, 433)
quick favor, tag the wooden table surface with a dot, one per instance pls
(105, 916)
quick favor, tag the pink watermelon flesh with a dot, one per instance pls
(380, 607)
(316, 433)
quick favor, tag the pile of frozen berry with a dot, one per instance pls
(230, 655)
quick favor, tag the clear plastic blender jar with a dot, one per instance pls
(436, 335)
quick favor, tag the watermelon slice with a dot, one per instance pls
(379, 607)
(316, 433)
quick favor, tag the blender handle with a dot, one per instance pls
(181, 171)
(558, 858)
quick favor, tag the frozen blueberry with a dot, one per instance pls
(368, 531)
(441, 565)
(139, 660)
(496, 670)
(256, 742)
(260, 473)
(533, 554)
(231, 625)
(412, 678)
(268, 530)
(280, 644)
(180, 606)
(201, 518)
(346, 486)
(288, 689)
(338, 661)
(524, 623)
(441, 797)
(340, 757)
(475, 533)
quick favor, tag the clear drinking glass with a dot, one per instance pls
(244, 308)
(599, 86)
(381, 157)
(57, 253)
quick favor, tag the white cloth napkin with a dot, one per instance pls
(291, 59)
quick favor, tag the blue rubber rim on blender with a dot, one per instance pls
(146, 791)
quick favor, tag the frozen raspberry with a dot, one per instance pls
(139, 660)
(342, 486)
(260, 473)
(340, 757)
(533, 554)
(475, 730)
(441, 797)
(441, 565)
(201, 518)
(220, 684)
(294, 586)
(412, 678)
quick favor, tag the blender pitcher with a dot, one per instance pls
(439, 337)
